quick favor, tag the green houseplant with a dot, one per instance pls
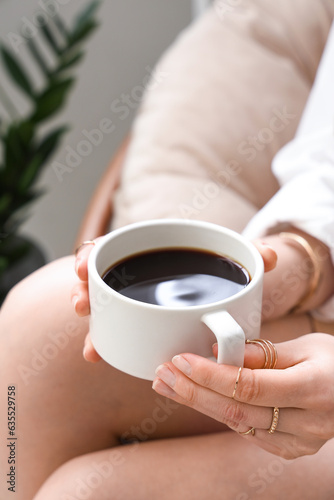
(27, 142)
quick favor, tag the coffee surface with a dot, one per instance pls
(177, 277)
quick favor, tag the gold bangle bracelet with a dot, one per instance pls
(316, 275)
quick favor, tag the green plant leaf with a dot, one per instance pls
(68, 62)
(50, 143)
(51, 39)
(24, 154)
(51, 100)
(17, 143)
(38, 57)
(5, 201)
(82, 32)
(12, 148)
(14, 153)
(17, 212)
(86, 14)
(17, 73)
(30, 173)
(3, 266)
(43, 152)
(26, 131)
(13, 250)
(60, 26)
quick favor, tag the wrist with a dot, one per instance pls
(296, 284)
(310, 264)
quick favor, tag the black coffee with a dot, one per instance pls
(177, 277)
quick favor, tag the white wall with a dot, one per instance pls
(131, 37)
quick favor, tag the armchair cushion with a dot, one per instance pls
(224, 98)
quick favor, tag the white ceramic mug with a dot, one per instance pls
(135, 336)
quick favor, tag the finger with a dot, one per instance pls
(289, 353)
(284, 444)
(80, 299)
(268, 254)
(260, 354)
(175, 385)
(240, 416)
(255, 386)
(81, 260)
(255, 356)
(89, 352)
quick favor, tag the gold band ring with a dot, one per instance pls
(250, 431)
(83, 244)
(274, 421)
(270, 352)
(236, 382)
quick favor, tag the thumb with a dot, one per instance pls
(288, 354)
(258, 355)
(89, 352)
(268, 254)
(254, 356)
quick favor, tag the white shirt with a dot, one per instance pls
(305, 171)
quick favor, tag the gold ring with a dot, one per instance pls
(270, 352)
(236, 382)
(274, 421)
(83, 244)
(250, 431)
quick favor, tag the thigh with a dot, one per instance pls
(217, 466)
(67, 407)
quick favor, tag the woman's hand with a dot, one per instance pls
(80, 297)
(301, 386)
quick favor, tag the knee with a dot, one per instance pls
(61, 484)
(80, 478)
(38, 326)
(14, 299)
(42, 284)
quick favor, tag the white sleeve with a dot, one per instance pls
(305, 171)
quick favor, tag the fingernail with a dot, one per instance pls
(266, 245)
(77, 264)
(166, 375)
(84, 352)
(163, 389)
(182, 364)
(74, 300)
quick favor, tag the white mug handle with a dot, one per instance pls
(230, 337)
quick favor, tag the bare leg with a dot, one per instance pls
(67, 407)
(212, 466)
(71, 415)
(217, 466)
